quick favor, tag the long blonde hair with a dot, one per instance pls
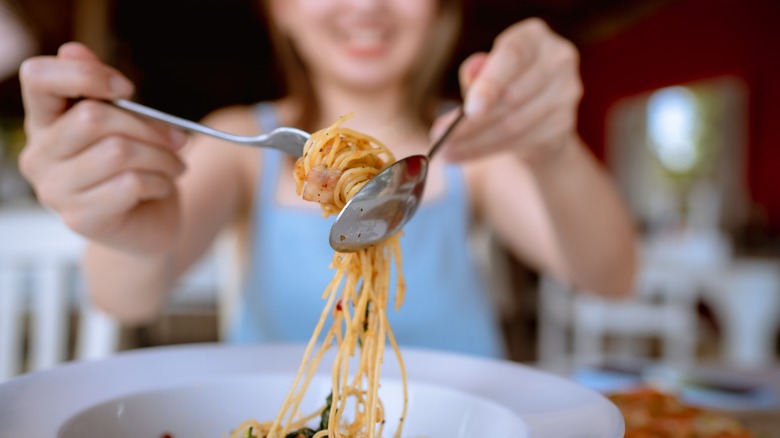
(424, 81)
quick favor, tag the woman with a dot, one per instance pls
(516, 161)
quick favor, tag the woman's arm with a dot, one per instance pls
(532, 176)
(212, 194)
(120, 180)
(562, 215)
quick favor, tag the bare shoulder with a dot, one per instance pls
(241, 120)
(238, 119)
(239, 160)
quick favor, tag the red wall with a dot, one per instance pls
(690, 40)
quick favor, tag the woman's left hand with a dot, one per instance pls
(521, 97)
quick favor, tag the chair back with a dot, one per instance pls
(40, 286)
(580, 328)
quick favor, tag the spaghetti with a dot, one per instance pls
(336, 163)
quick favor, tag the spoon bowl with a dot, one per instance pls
(386, 203)
(382, 207)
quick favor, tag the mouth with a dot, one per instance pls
(365, 37)
(366, 41)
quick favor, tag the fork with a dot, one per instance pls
(288, 140)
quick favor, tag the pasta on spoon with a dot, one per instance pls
(336, 163)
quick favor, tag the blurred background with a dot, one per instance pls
(681, 105)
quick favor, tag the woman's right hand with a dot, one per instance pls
(110, 175)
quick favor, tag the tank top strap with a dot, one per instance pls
(267, 120)
(265, 115)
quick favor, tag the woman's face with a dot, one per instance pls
(360, 43)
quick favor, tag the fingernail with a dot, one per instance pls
(474, 106)
(120, 86)
(178, 137)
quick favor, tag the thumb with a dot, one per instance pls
(79, 52)
(469, 70)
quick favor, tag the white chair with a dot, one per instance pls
(230, 271)
(745, 298)
(39, 277)
(575, 325)
(743, 292)
(213, 284)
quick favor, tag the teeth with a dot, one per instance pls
(365, 37)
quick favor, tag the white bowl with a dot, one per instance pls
(212, 409)
(41, 404)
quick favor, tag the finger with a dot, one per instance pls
(558, 78)
(74, 50)
(510, 129)
(469, 69)
(513, 51)
(108, 204)
(48, 83)
(495, 139)
(527, 144)
(89, 121)
(121, 193)
(115, 155)
(526, 88)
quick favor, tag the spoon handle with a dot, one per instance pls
(446, 133)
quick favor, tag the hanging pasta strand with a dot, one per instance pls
(336, 163)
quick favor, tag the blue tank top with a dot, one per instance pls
(447, 304)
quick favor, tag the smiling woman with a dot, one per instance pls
(151, 201)
(363, 49)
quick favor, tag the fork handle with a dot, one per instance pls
(288, 140)
(188, 125)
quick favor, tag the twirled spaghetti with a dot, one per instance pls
(336, 163)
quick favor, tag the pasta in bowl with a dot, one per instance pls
(213, 409)
(210, 389)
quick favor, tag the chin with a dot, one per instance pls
(367, 83)
(369, 75)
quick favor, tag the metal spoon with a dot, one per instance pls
(386, 203)
(288, 140)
